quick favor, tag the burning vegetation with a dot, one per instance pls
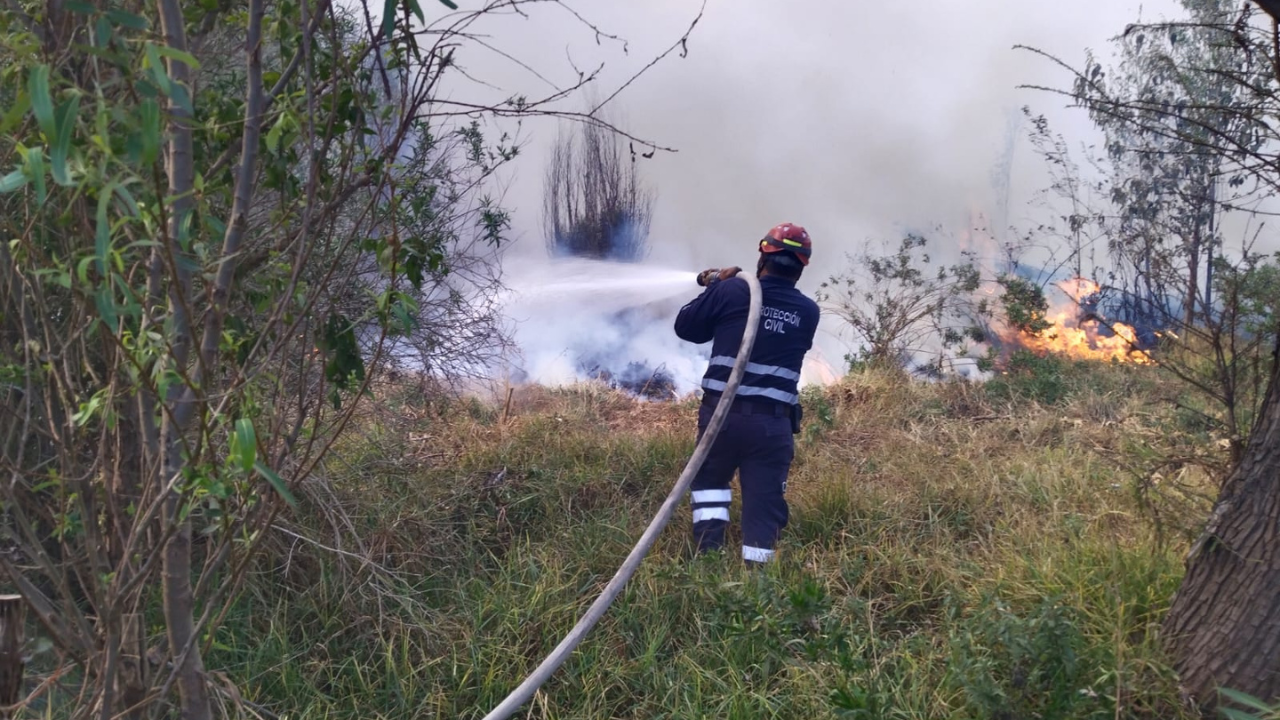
(1076, 329)
(908, 309)
(637, 378)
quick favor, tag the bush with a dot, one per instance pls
(594, 204)
(1028, 376)
(819, 415)
(1013, 665)
(902, 303)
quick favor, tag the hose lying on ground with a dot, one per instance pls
(526, 689)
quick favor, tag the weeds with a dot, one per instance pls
(954, 552)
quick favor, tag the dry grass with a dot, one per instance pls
(955, 551)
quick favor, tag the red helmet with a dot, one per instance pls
(788, 237)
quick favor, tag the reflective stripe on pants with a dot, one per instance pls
(760, 449)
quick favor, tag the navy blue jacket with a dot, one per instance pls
(788, 321)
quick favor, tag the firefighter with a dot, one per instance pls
(757, 439)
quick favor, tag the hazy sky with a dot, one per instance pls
(857, 119)
(853, 118)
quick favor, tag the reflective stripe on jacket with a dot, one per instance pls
(788, 321)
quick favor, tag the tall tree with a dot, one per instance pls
(220, 221)
(1223, 627)
(1195, 112)
(1182, 84)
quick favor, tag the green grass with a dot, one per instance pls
(955, 551)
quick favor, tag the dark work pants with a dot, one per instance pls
(760, 448)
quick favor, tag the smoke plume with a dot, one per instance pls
(859, 121)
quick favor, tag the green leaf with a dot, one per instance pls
(133, 146)
(76, 6)
(87, 410)
(416, 9)
(245, 443)
(149, 131)
(405, 311)
(102, 235)
(132, 306)
(82, 268)
(56, 275)
(215, 226)
(276, 482)
(145, 88)
(449, 4)
(388, 18)
(127, 19)
(181, 97)
(1246, 699)
(41, 100)
(179, 55)
(102, 33)
(13, 181)
(184, 238)
(106, 306)
(167, 379)
(127, 198)
(65, 122)
(35, 168)
(13, 116)
(156, 66)
(273, 135)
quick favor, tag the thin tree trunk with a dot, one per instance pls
(1193, 281)
(1208, 270)
(1224, 626)
(255, 103)
(179, 603)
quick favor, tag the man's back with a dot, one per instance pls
(756, 441)
(788, 322)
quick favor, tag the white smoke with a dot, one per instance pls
(855, 120)
(571, 317)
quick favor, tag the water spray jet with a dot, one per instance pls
(579, 319)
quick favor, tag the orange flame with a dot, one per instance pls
(817, 370)
(1076, 334)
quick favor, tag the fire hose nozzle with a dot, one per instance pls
(706, 278)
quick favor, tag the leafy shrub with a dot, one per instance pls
(819, 415)
(1032, 377)
(1024, 304)
(1013, 665)
(899, 303)
(778, 617)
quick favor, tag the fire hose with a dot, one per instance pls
(543, 672)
